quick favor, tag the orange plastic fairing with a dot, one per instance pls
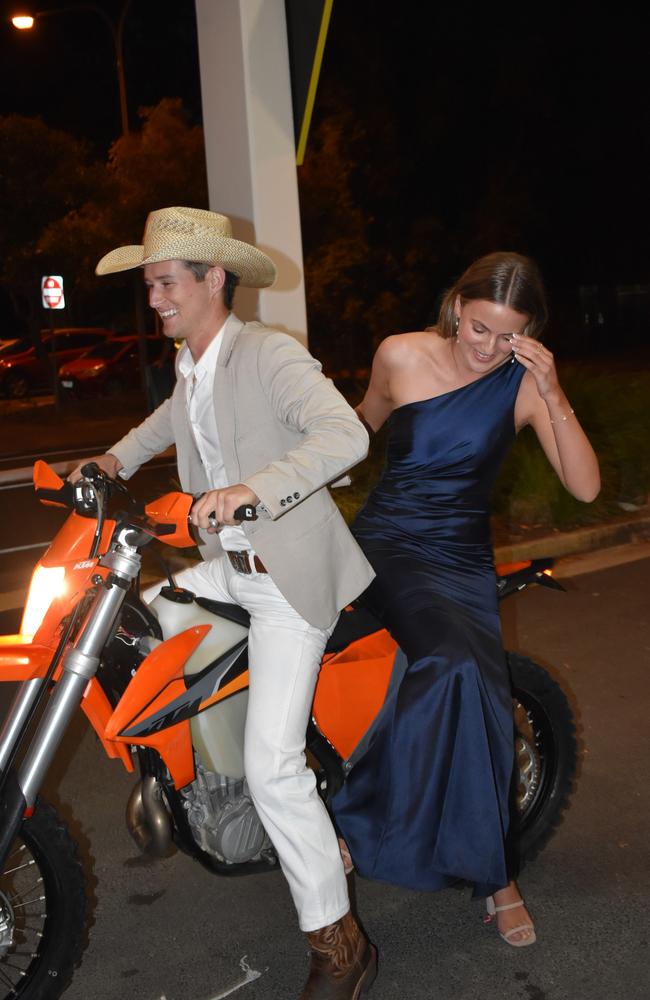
(21, 659)
(503, 569)
(74, 539)
(351, 690)
(157, 683)
(98, 711)
(173, 508)
(45, 478)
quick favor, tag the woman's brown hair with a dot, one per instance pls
(507, 279)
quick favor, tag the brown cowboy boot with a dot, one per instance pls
(343, 962)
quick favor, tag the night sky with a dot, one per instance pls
(497, 126)
(514, 127)
(64, 68)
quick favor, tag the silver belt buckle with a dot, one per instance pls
(241, 562)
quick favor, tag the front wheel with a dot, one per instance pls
(545, 747)
(42, 910)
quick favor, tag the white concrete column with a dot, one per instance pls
(250, 148)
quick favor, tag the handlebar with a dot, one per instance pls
(244, 513)
(88, 495)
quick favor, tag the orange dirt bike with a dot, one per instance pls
(165, 687)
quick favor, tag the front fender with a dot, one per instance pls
(21, 659)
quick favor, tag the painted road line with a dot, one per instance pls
(23, 474)
(250, 975)
(17, 486)
(94, 449)
(25, 548)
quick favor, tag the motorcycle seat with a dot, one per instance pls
(231, 612)
(355, 623)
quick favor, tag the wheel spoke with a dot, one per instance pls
(4, 975)
(12, 871)
(28, 902)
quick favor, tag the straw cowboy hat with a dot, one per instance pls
(194, 235)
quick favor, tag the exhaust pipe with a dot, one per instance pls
(147, 819)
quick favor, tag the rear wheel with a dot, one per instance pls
(545, 747)
(42, 910)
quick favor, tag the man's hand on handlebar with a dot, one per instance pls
(107, 463)
(220, 506)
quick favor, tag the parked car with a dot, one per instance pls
(24, 370)
(110, 367)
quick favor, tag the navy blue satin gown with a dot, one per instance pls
(429, 802)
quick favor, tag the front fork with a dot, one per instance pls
(79, 666)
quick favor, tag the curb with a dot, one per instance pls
(568, 543)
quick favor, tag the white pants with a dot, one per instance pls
(284, 659)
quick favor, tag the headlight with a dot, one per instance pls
(48, 582)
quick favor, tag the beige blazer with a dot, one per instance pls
(285, 432)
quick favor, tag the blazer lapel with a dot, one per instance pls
(190, 467)
(224, 401)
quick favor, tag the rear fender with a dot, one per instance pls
(352, 688)
(517, 576)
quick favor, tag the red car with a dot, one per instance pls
(112, 367)
(24, 371)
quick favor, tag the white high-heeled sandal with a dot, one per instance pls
(493, 909)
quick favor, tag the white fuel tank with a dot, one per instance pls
(217, 733)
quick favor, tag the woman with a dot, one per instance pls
(429, 804)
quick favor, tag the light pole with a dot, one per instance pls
(24, 22)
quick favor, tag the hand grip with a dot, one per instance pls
(244, 513)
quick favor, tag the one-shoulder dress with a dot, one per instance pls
(428, 805)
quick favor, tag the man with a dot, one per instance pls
(255, 422)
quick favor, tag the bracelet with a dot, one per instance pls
(563, 418)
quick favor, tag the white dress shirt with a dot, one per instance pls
(199, 381)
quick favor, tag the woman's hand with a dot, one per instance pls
(544, 406)
(540, 363)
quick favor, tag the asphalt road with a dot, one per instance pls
(169, 929)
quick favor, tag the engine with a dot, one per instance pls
(223, 819)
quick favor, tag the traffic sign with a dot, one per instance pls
(52, 291)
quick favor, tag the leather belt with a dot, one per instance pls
(246, 562)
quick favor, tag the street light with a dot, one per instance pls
(23, 22)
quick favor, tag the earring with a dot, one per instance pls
(457, 325)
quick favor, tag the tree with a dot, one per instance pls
(366, 272)
(46, 172)
(161, 164)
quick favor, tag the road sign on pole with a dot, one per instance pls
(52, 291)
